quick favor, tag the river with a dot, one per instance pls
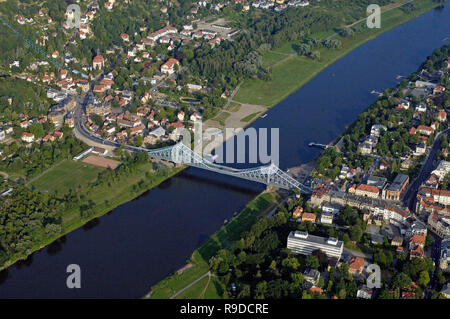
(125, 252)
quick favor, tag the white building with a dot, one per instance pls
(331, 208)
(300, 242)
(326, 218)
(394, 215)
(442, 170)
(376, 129)
(364, 292)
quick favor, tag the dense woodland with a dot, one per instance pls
(26, 98)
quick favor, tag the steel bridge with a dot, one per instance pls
(269, 174)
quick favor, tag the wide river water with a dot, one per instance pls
(125, 252)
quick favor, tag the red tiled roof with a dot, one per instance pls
(368, 188)
(356, 263)
(308, 216)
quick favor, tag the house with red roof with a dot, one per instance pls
(308, 217)
(27, 137)
(438, 89)
(442, 116)
(48, 137)
(425, 130)
(367, 191)
(297, 212)
(98, 63)
(108, 5)
(356, 265)
(176, 124)
(416, 246)
(169, 66)
(125, 37)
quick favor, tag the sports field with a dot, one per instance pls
(64, 176)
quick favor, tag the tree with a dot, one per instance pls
(356, 233)
(401, 281)
(290, 262)
(37, 129)
(312, 262)
(261, 290)
(385, 294)
(297, 278)
(245, 292)
(424, 278)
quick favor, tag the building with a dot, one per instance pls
(98, 62)
(395, 215)
(425, 130)
(377, 181)
(416, 246)
(27, 137)
(300, 242)
(356, 265)
(308, 217)
(393, 191)
(367, 191)
(297, 212)
(446, 290)
(169, 66)
(444, 256)
(99, 109)
(397, 241)
(99, 151)
(364, 292)
(376, 130)
(331, 208)
(439, 224)
(125, 37)
(326, 218)
(312, 276)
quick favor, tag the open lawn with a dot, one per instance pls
(65, 175)
(293, 72)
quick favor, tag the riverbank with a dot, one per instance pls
(291, 71)
(199, 260)
(110, 197)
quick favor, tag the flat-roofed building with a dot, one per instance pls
(394, 190)
(300, 242)
(326, 218)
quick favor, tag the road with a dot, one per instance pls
(410, 196)
(435, 254)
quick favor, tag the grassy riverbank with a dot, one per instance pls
(291, 71)
(211, 288)
(103, 198)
